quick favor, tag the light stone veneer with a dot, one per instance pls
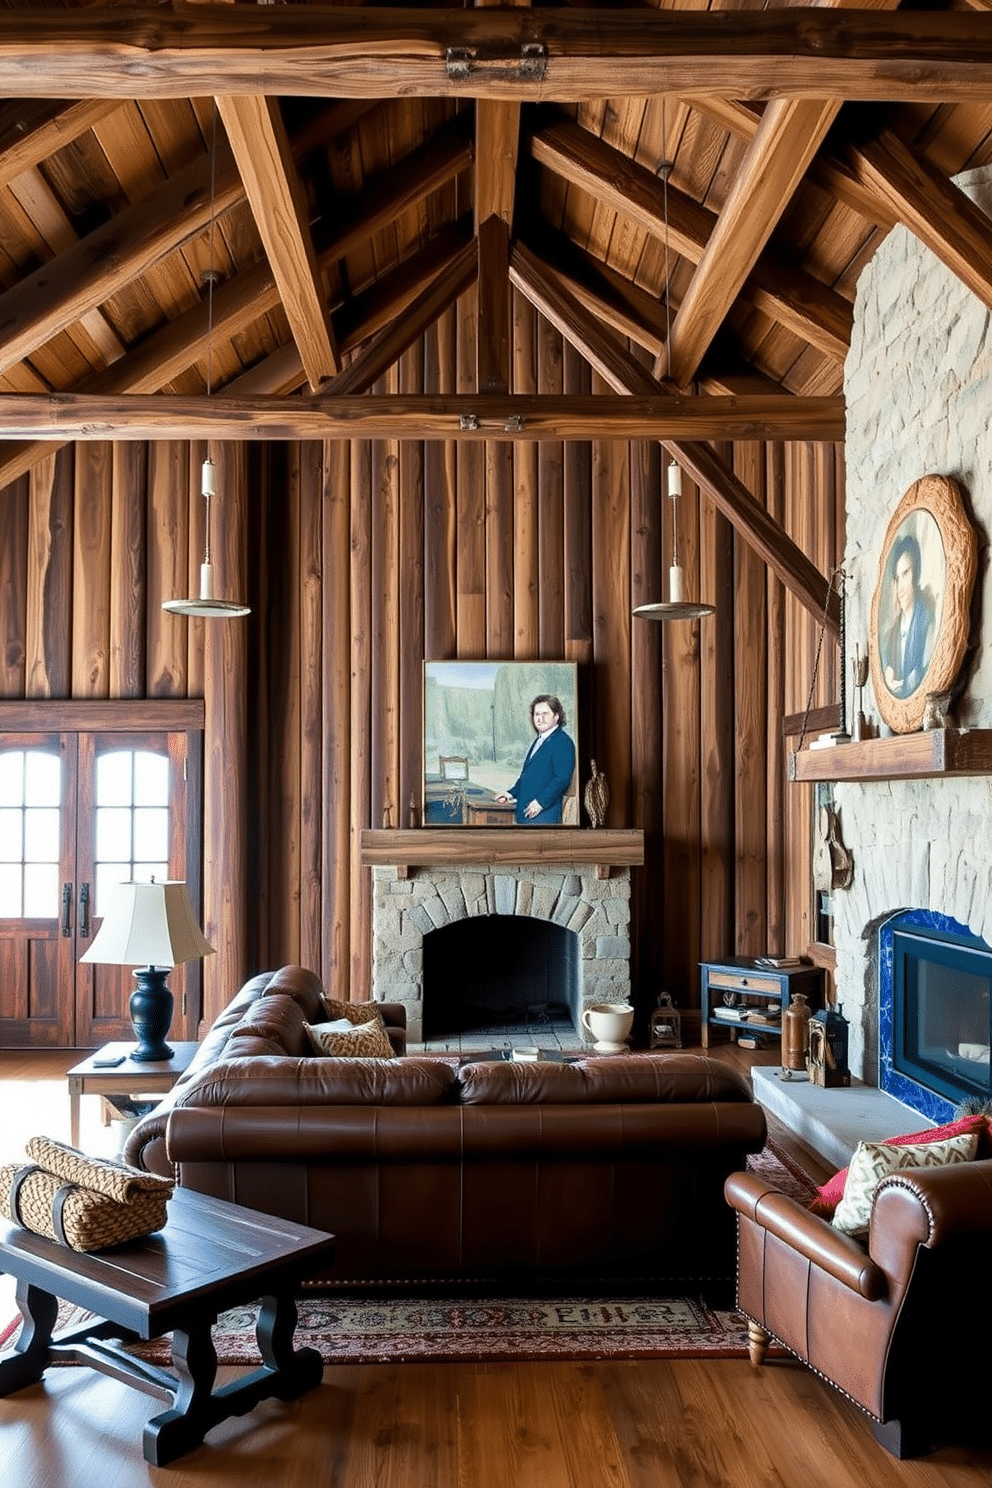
(918, 384)
(404, 910)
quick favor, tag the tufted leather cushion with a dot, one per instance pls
(629, 1080)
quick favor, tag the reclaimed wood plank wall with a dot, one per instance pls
(361, 560)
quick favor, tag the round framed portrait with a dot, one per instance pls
(920, 608)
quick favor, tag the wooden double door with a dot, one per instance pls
(81, 811)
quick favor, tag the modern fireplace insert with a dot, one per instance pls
(940, 979)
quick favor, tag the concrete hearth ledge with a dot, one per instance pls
(833, 1122)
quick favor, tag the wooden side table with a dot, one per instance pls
(127, 1079)
(210, 1256)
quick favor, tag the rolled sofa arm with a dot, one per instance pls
(145, 1146)
(810, 1236)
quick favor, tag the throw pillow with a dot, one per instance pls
(355, 1012)
(829, 1195)
(873, 1161)
(350, 1041)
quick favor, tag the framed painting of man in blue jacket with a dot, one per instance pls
(500, 743)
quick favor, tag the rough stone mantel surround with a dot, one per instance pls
(424, 879)
(918, 384)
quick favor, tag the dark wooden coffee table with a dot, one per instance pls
(211, 1255)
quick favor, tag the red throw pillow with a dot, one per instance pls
(829, 1195)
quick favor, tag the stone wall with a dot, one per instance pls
(404, 910)
(918, 383)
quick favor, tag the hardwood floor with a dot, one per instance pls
(651, 1424)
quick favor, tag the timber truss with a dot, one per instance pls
(685, 195)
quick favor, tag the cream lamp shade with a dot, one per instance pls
(151, 926)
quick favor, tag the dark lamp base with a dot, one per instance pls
(150, 1007)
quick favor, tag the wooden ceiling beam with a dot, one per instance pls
(28, 135)
(390, 344)
(786, 141)
(932, 207)
(261, 149)
(810, 309)
(788, 137)
(741, 508)
(493, 342)
(95, 268)
(617, 301)
(514, 417)
(176, 50)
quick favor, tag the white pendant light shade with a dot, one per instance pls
(676, 607)
(204, 603)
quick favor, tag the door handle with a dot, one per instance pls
(67, 909)
(84, 910)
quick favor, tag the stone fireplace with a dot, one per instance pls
(918, 385)
(425, 880)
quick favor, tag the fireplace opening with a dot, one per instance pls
(942, 1004)
(498, 971)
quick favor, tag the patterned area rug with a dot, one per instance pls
(359, 1330)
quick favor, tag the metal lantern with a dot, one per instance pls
(666, 1024)
(828, 1038)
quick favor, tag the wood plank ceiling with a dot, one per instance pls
(703, 186)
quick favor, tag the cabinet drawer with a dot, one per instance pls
(735, 981)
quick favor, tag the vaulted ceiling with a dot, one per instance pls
(688, 194)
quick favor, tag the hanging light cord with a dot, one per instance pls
(837, 572)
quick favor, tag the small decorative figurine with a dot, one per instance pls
(597, 796)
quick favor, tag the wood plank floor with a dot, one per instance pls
(651, 1424)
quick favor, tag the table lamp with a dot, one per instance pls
(151, 926)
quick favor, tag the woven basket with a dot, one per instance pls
(83, 1202)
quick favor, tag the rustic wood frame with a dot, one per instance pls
(938, 497)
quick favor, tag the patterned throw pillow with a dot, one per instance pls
(873, 1161)
(829, 1194)
(350, 1040)
(355, 1012)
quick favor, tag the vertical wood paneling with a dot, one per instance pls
(610, 736)
(645, 709)
(411, 603)
(471, 501)
(311, 668)
(226, 802)
(683, 806)
(283, 644)
(91, 571)
(716, 706)
(129, 589)
(751, 717)
(499, 549)
(167, 565)
(551, 515)
(385, 806)
(777, 805)
(526, 580)
(337, 796)
(440, 515)
(576, 481)
(361, 716)
(14, 509)
(49, 577)
(225, 583)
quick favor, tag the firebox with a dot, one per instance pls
(940, 979)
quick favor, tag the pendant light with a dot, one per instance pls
(205, 604)
(677, 607)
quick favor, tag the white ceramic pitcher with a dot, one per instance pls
(610, 1024)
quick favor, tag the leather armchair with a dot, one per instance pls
(893, 1322)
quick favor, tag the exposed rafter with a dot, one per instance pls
(604, 352)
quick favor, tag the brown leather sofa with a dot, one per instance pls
(428, 1168)
(895, 1323)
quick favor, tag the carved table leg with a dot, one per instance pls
(24, 1364)
(757, 1342)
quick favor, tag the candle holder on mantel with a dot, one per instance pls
(859, 671)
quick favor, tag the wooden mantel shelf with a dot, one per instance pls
(902, 757)
(460, 847)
